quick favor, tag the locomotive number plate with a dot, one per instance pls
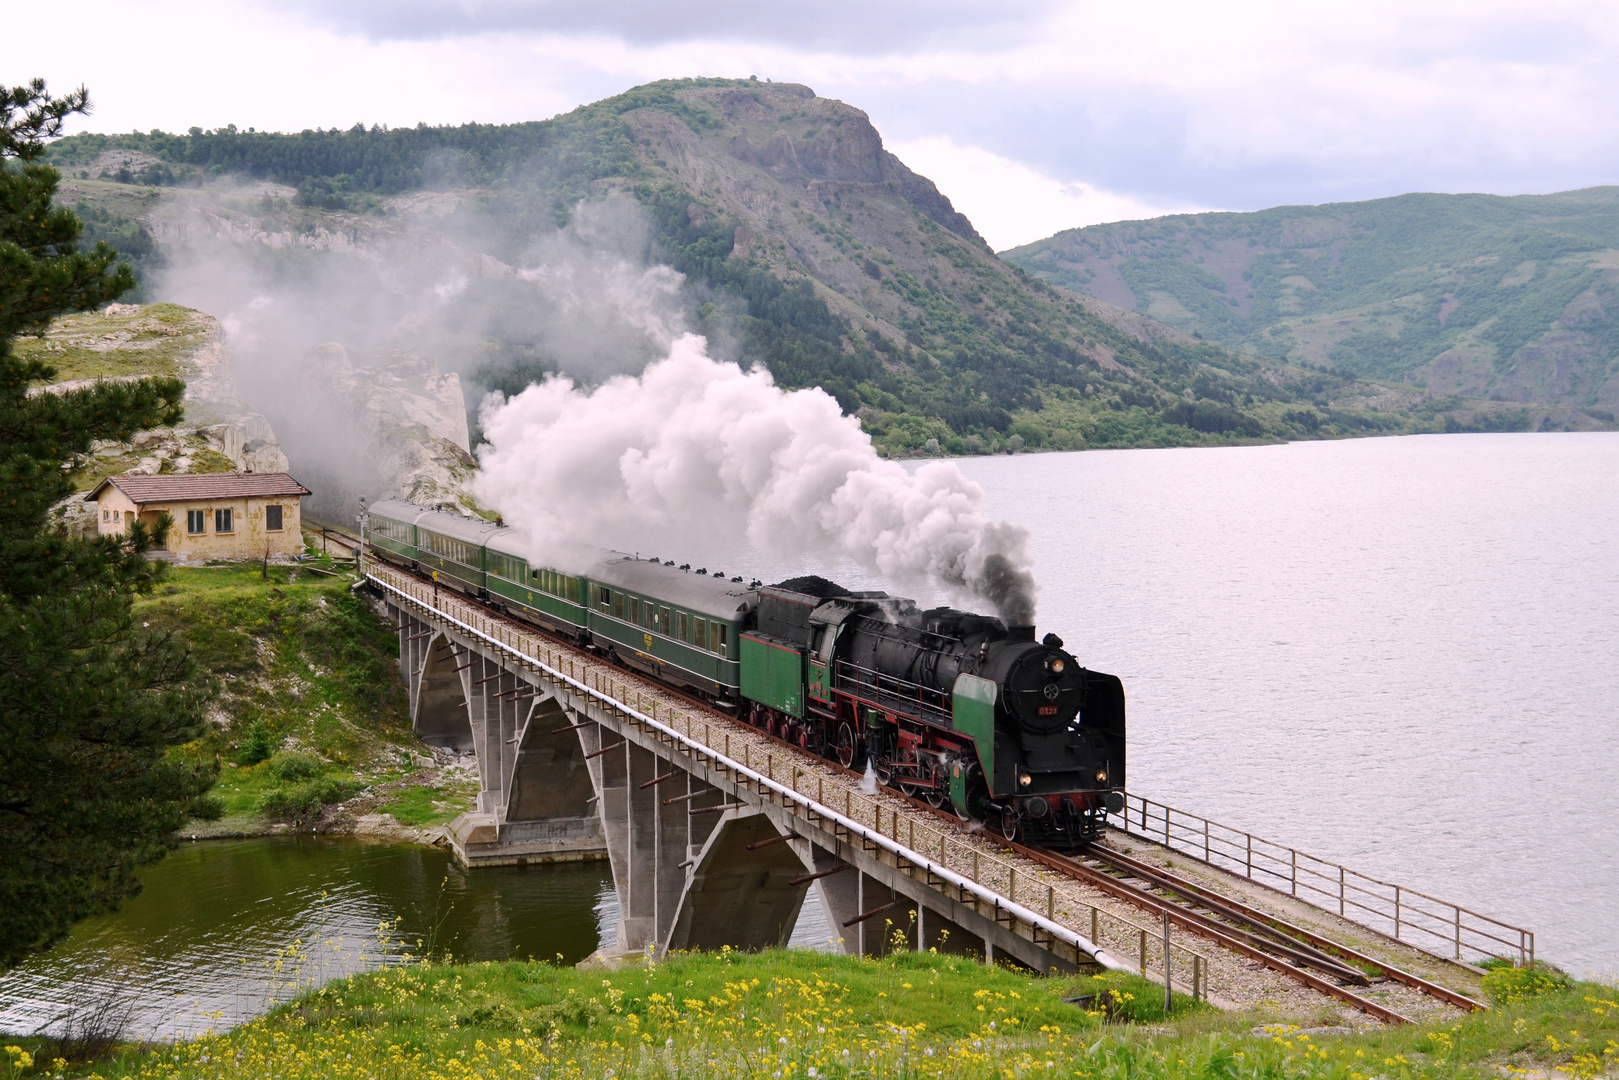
(1048, 710)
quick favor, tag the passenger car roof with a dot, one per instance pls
(695, 592)
(713, 596)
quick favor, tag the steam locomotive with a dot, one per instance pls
(946, 705)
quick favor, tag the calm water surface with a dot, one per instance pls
(1402, 654)
(195, 949)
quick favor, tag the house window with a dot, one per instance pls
(196, 522)
(272, 518)
(223, 522)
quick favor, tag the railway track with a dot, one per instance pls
(1320, 963)
(1324, 965)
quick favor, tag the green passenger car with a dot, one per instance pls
(393, 529)
(680, 626)
(540, 593)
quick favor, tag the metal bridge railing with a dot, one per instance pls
(1434, 926)
(1031, 890)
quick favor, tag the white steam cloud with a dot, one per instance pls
(693, 447)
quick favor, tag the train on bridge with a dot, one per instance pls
(954, 707)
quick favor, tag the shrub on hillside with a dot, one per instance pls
(302, 802)
(258, 745)
(290, 768)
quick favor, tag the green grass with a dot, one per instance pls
(154, 340)
(801, 1014)
(423, 806)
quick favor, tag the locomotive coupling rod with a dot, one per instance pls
(572, 727)
(757, 844)
(656, 780)
(873, 913)
(807, 878)
(605, 749)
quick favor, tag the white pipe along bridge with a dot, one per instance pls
(716, 835)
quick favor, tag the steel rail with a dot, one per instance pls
(1210, 928)
(1249, 925)
(1188, 888)
(697, 750)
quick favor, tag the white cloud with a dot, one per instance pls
(1011, 204)
(1089, 111)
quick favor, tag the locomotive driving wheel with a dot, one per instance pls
(847, 746)
(1008, 824)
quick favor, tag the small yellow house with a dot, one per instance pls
(216, 515)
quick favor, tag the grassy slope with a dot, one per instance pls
(816, 252)
(805, 1014)
(301, 657)
(1512, 297)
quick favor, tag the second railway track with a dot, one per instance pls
(1321, 963)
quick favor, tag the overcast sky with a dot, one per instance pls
(1032, 115)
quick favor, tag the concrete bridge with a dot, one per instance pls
(717, 836)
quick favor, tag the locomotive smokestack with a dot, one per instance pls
(1020, 633)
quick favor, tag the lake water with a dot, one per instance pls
(1402, 654)
(196, 949)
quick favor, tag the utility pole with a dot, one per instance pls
(1168, 993)
(359, 552)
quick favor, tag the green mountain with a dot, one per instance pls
(1514, 299)
(806, 247)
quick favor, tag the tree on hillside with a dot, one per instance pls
(92, 710)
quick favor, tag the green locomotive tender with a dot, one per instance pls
(945, 705)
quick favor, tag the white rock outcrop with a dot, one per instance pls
(405, 419)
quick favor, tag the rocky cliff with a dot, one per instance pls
(384, 425)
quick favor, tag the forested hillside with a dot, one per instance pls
(805, 247)
(1511, 298)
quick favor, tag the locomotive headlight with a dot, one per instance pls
(1024, 779)
(1101, 776)
(1056, 665)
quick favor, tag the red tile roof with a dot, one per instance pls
(196, 488)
